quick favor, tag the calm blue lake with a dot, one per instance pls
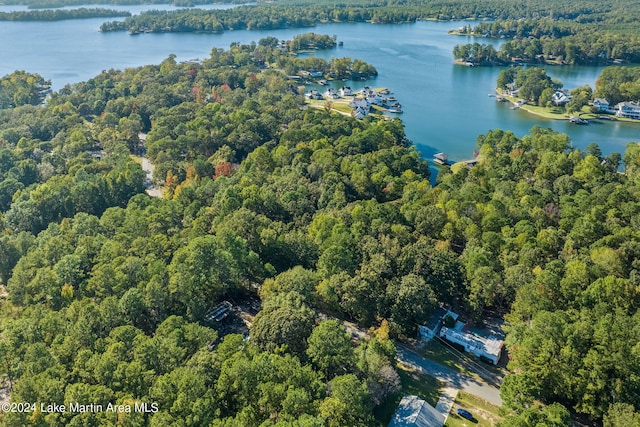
(445, 106)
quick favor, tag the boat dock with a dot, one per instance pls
(577, 120)
(470, 163)
(441, 159)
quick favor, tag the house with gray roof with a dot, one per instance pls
(430, 330)
(413, 411)
(629, 110)
(602, 105)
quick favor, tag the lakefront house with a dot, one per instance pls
(629, 110)
(602, 106)
(560, 98)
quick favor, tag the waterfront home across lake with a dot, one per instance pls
(560, 98)
(359, 113)
(629, 110)
(331, 94)
(346, 91)
(313, 94)
(602, 105)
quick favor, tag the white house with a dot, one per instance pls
(346, 91)
(360, 103)
(367, 92)
(560, 98)
(359, 113)
(602, 105)
(490, 348)
(331, 94)
(629, 110)
(313, 94)
(430, 330)
(375, 100)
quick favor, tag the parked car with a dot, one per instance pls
(465, 414)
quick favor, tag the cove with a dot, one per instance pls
(445, 105)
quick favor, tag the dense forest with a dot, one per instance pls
(313, 213)
(20, 88)
(533, 84)
(618, 84)
(302, 13)
(602, 35)
(121, 316)
(52, 4)
(59, 15)
(537, 46)
(619, 13)
(564, 33)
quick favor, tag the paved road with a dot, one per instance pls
(148, 168)
(451, 377)
(454, 380)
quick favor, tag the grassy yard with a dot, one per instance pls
(338, 105)
(415, 383)
(438, 352)
(557, 113)
(486, 414)
(341, 105)
(446, 356)
(553, 113)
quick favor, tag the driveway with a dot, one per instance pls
(148, 168)
(451, 377)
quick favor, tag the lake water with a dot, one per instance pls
(445, 106)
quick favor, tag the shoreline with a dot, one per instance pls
(528, 108)
(532, 109)
(341, 105)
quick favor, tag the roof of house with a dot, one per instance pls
(600, 101)
(493, 345)
(413, 411)
(629, 105)
(560, 97)
(438, 315)
(490, 345)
